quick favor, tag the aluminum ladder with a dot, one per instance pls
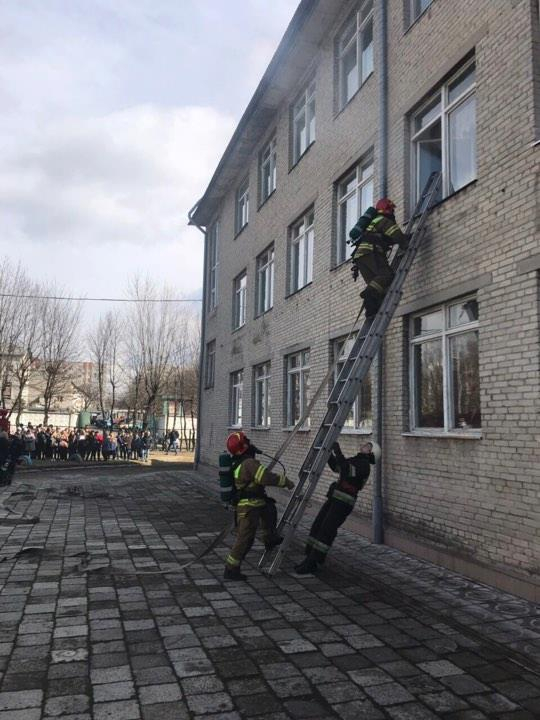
(365, 347)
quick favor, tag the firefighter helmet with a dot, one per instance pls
(376, 450)
(237, 443)
(385, 206)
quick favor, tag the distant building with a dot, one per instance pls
(459, 398)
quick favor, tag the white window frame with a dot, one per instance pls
(242, 205)
(416, 10)
(442, 115)
(210, 365)
(301, 241)
(362, 176)
(301, 374)
(262, 400)
(236, 398)
(239, 300)
(362, 20)
(444, 335)
(268, 170)
(354, 424)
(304, 113)
(265, 281)
(213, 264)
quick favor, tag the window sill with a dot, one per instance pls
(237, 329)
(356, 431)
(263, 313)
(418, 18)
(234, 427)
(297, 162)
(340, 264)
(260, 428)
(354, 96)
(303, 429)
(209, 387)
(211, 313)
(452, 435)
(239, 232)
(295, 292)
(266, 199)
(448, 197)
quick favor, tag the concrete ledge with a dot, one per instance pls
(449, 293)
(529, 264)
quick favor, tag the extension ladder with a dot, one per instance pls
(366, 345)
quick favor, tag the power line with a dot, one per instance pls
(103, 299)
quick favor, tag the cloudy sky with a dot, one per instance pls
(113, 116)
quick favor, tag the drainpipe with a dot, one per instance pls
(377, 517)
(197, 457)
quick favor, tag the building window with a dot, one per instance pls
(261, 376)
(265, 281)
(444, 368)
(242, 205)
(355, 52)
(237, 391)
(444, 134)
(239, 300)
(213, 238)
(354, 196)
(304, 122)
(210, 365)
(301, 252)
(297, 398)
(418, 7)
(268, 172)
(361, 417)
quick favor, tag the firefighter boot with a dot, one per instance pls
(274, 541)
(233, 573)
(306, 567)
(372, 302)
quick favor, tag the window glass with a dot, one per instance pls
(301, 252)
(462, 83)
(428, 370)
(367, 50)
(262, 395)
(298, 384)
(429, 113)
(465, 380)
(463, 313)
(462, 143)
(431, 322)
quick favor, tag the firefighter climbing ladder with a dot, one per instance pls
(345, 390)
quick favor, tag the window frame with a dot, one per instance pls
(361, 19)
(445, 110)
(343, 251)
(213, 265)
(236, 397)
(266, 268)
(300, 107)
(356, 427)
(445, 335)
(210, 365)
(303, 371)
(306, 242)
(242, 206)
(415, 14)
(268, 157)
(265, 379)
(239, 300)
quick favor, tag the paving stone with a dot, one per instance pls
(152, 694)
(290, 686)
(209, 703)
(444, 702)
(319, 675)
(20, 699)
(371, 676)
(67, 705)
(388, 693)
(304, 709)
(299, 645)
(121, 710)
(410, 711)
(110, 675)
(340, 692)
(358, 709)
(258, 704)
(109, 692)
(492, 703)
(464, 684)
(26, 714)
(248, 686)
(154, 676)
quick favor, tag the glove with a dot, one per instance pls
(354, 271)
(336, 448)
(289, 484)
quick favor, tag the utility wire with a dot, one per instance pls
(103, 299)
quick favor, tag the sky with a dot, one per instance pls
(114, 114)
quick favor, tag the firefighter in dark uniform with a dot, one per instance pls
(353, 475)
(253, 506)
(373, 235)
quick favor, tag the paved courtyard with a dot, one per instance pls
(98, 620)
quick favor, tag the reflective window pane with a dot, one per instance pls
(367, 50)
(428, 381)
(462, 144)
(463, 313)
(428, 114)
(462, 83)
(431, 322)
(349, 74)
(429, 157)
(465, 380)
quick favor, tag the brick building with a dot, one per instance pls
(363, 99)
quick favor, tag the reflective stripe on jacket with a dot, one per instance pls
(250, 478)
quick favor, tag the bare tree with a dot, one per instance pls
(88, 390)
(59, 324)
(104, 344)
(29, 344)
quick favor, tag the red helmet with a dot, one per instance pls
(385, 206)
(237, 443)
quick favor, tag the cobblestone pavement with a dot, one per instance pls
(98, 621)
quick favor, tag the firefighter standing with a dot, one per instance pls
(353, 475)
(252, 503)
(373, 235)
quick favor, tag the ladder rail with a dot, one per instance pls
(345, 389)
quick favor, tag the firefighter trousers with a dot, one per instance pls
(248, 519)
(376, 271)
(323, 532)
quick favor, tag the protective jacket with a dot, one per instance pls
(250, 479)
(381, 233)
(353, 474)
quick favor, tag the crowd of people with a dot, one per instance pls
(49, 443)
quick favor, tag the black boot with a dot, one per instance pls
(272, 543)
(306, 567)
(372, 302)
(233, 574)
